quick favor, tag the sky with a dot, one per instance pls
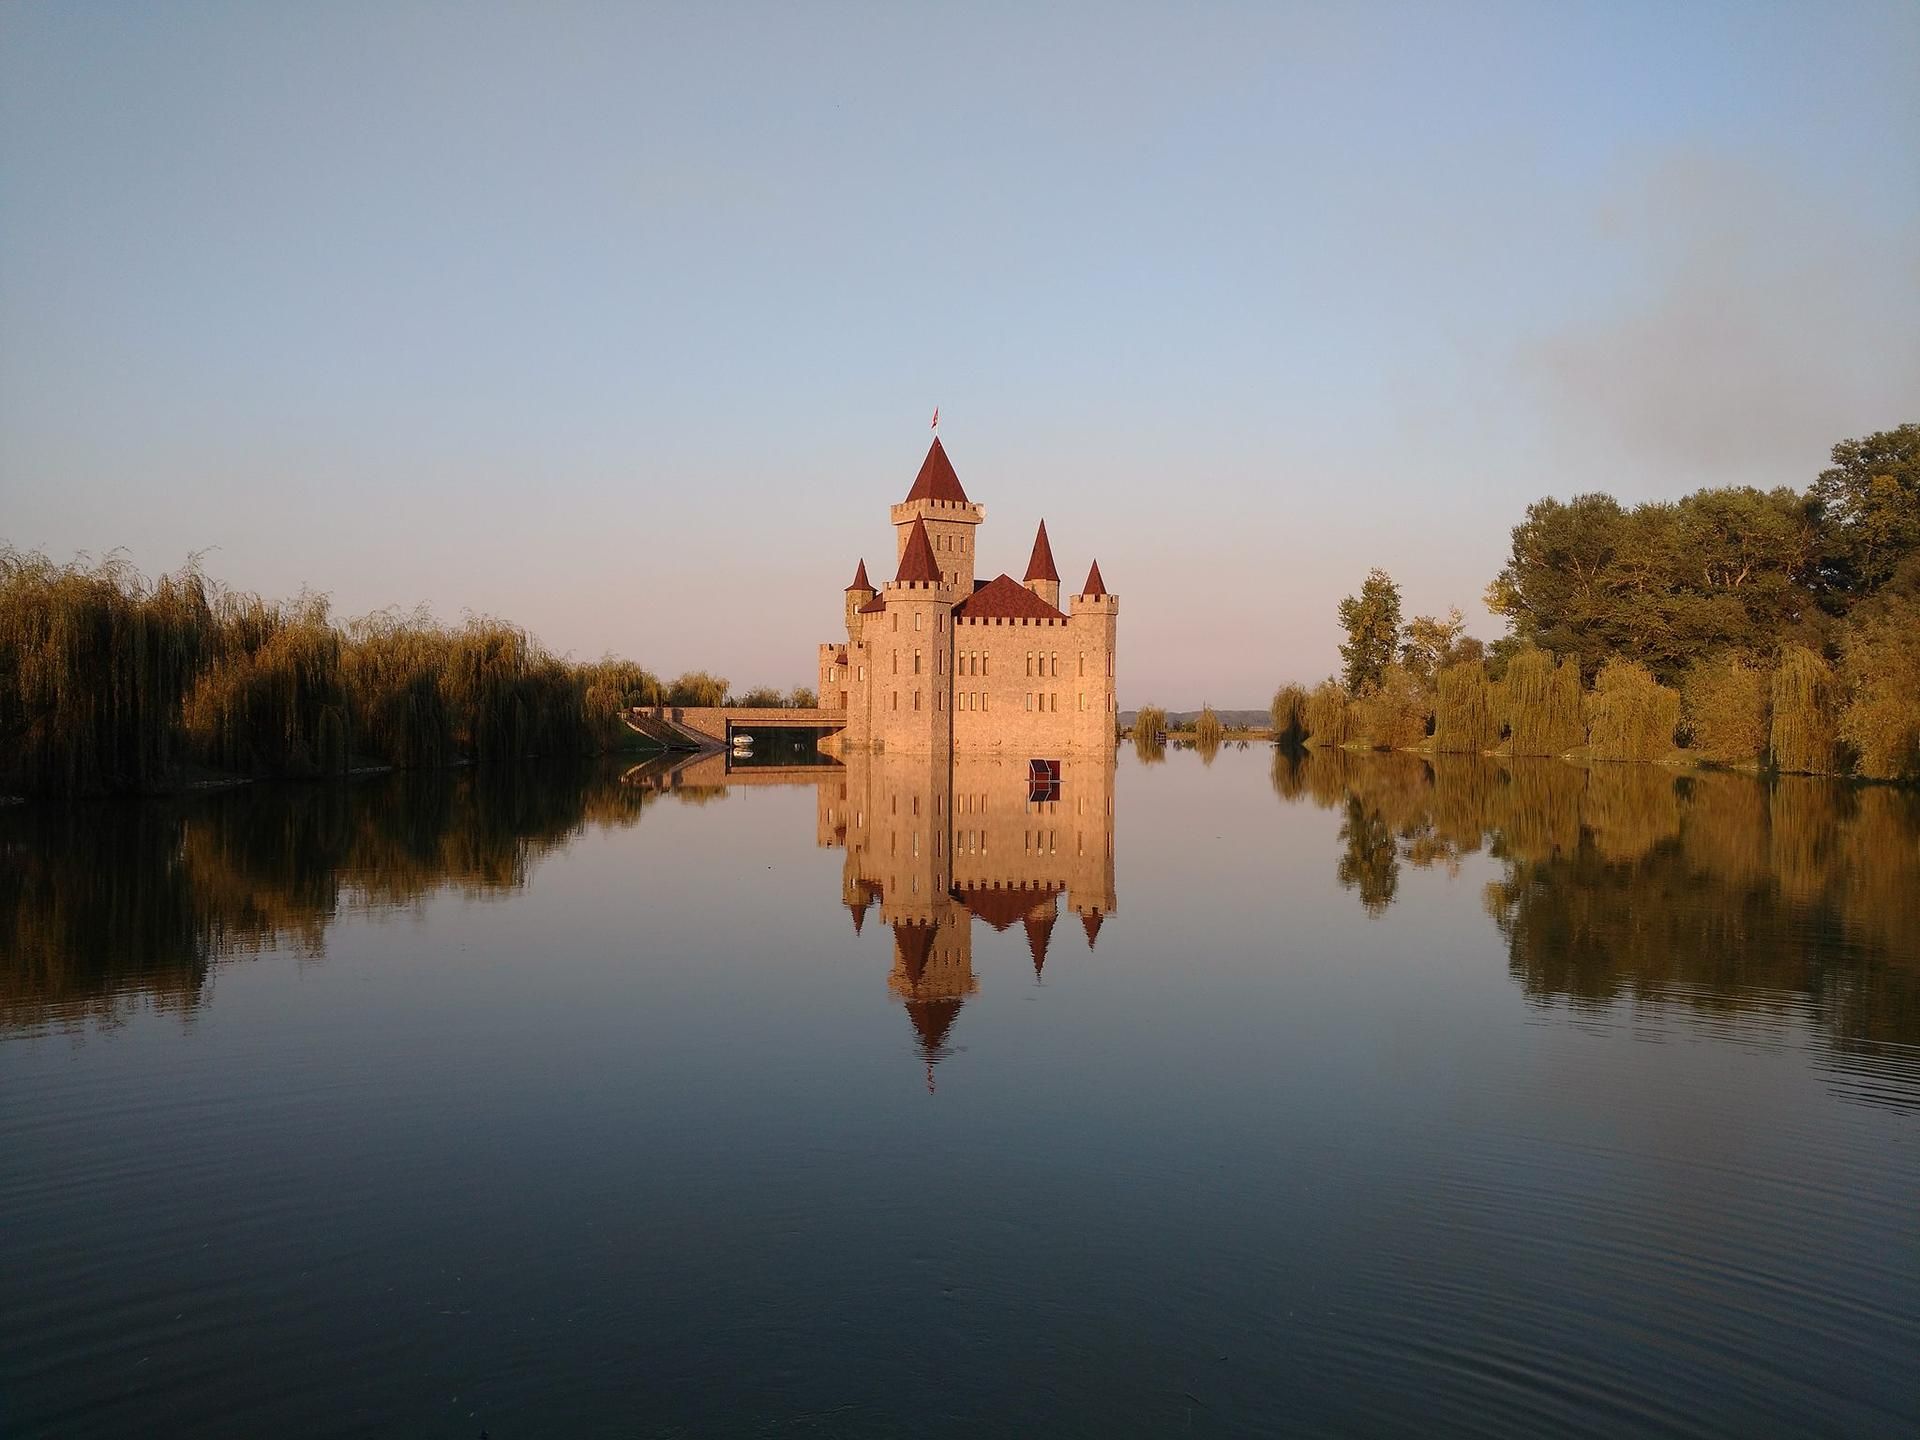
(626, 322)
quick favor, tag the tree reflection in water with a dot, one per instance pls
(1720, 893)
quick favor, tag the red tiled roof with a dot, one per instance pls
(873, 607)
(1095, 585)
(1005, 599)
(936, 480)
(860, 581)
(1040, 566)
(916, 561)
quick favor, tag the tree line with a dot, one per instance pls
(111, 683)
(1777, 629)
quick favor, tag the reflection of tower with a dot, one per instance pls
(939, 841)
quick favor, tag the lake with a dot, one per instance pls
(1212, 1095)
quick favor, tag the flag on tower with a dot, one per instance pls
(936, 417)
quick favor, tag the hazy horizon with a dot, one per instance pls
(625, 324)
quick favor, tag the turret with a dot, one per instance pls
(1042, 578)
(1094, 623)
(858, 594)
(937, 502)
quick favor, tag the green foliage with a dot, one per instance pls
(1150, 734)
(1630, 715)
(1429, 644)
(803, 698)
(1805, 724)
(761, 697)
(1393, 713)
(1870, 504)
(1465, 718)
(1208, 732)
(1372, 622)
(1663, 583)
(1288, 714)
(697, 689)
(1723, 704)
(1325, 715)
(94, 664)
(1882, 668)
(108, 683)
(1544, 710)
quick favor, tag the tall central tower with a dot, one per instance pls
(937, 500)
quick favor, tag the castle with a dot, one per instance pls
(937, 661)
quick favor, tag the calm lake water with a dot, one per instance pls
(1355, 1095)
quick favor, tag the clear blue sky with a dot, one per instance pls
(624, 322)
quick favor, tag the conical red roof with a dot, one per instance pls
(1040, 566)
(936, 480)
(860, 581)
(916, 561)
(1090, 922)
(1095, 585)
(915, 944)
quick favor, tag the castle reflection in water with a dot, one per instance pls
(934, 843)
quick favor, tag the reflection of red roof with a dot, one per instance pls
(1039, 931)
(936, 480)
(1090, 922)
(1040, 563)
(915, 943)
(860, 581)
(916, 561)
(1005, 598)
(859, 908)
(1002, 908)
(932, 1019)
(1095, 585)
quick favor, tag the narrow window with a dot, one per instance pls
(896, 662)
(1083, 662)
(941, 697)
(1055, 670)
(1083, 699)
(896, 699)
(916, 699)
(1029, 699)
(896, 619)
(1029, 662)
(983, 699)
(916, 619)
(1109, 664)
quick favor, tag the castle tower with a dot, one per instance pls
(937, 502)
(1094, 629)
(1041, 577)
(910, 653)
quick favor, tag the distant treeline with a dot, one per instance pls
(1778, 629)
(111, 683)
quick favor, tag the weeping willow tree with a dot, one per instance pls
(1391, 714)
(1208, 732)
(1630, 715)
(1288, 713)
(94, 664)
(1805, 730)
(1325, 714)
(274, 700)
(1150, 734)
(1544, 707)
(1723, 704)
(1882, 667)
(1465, 721)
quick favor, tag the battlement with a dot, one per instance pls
(964, 512)
(1034, 620)
(914, 589)
(1095, 604)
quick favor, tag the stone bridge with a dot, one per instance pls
(685, 727)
